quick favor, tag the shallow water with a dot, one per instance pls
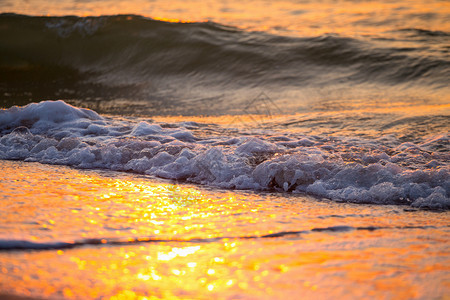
(308, 144)
(94, 234)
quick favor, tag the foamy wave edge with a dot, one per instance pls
(350, 170)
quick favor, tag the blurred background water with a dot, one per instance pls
(214, 57)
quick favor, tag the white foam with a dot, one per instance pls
(44, 114)
(144, 128)
(343, 169)
(256, 146)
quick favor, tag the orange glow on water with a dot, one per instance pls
(305, 18)
(165, 240)
(172, 20)
(180, 241)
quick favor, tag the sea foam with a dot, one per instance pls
(342, 169)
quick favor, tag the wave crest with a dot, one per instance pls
(128, 56)
(342, 169)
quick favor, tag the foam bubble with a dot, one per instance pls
(342, 169)
(42, 115)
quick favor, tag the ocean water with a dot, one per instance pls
(141, 139)
(88, 234)
(214, 57)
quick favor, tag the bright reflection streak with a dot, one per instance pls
(172, 20)
(182, 252)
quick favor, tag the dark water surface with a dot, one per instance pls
(212, 58)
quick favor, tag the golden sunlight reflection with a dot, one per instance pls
(181, 241)
(374, 119)
(257, 269)
(172, 20)
(305, 18)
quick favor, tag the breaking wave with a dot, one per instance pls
(348, 169)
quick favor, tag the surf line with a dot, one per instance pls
(22, 245)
